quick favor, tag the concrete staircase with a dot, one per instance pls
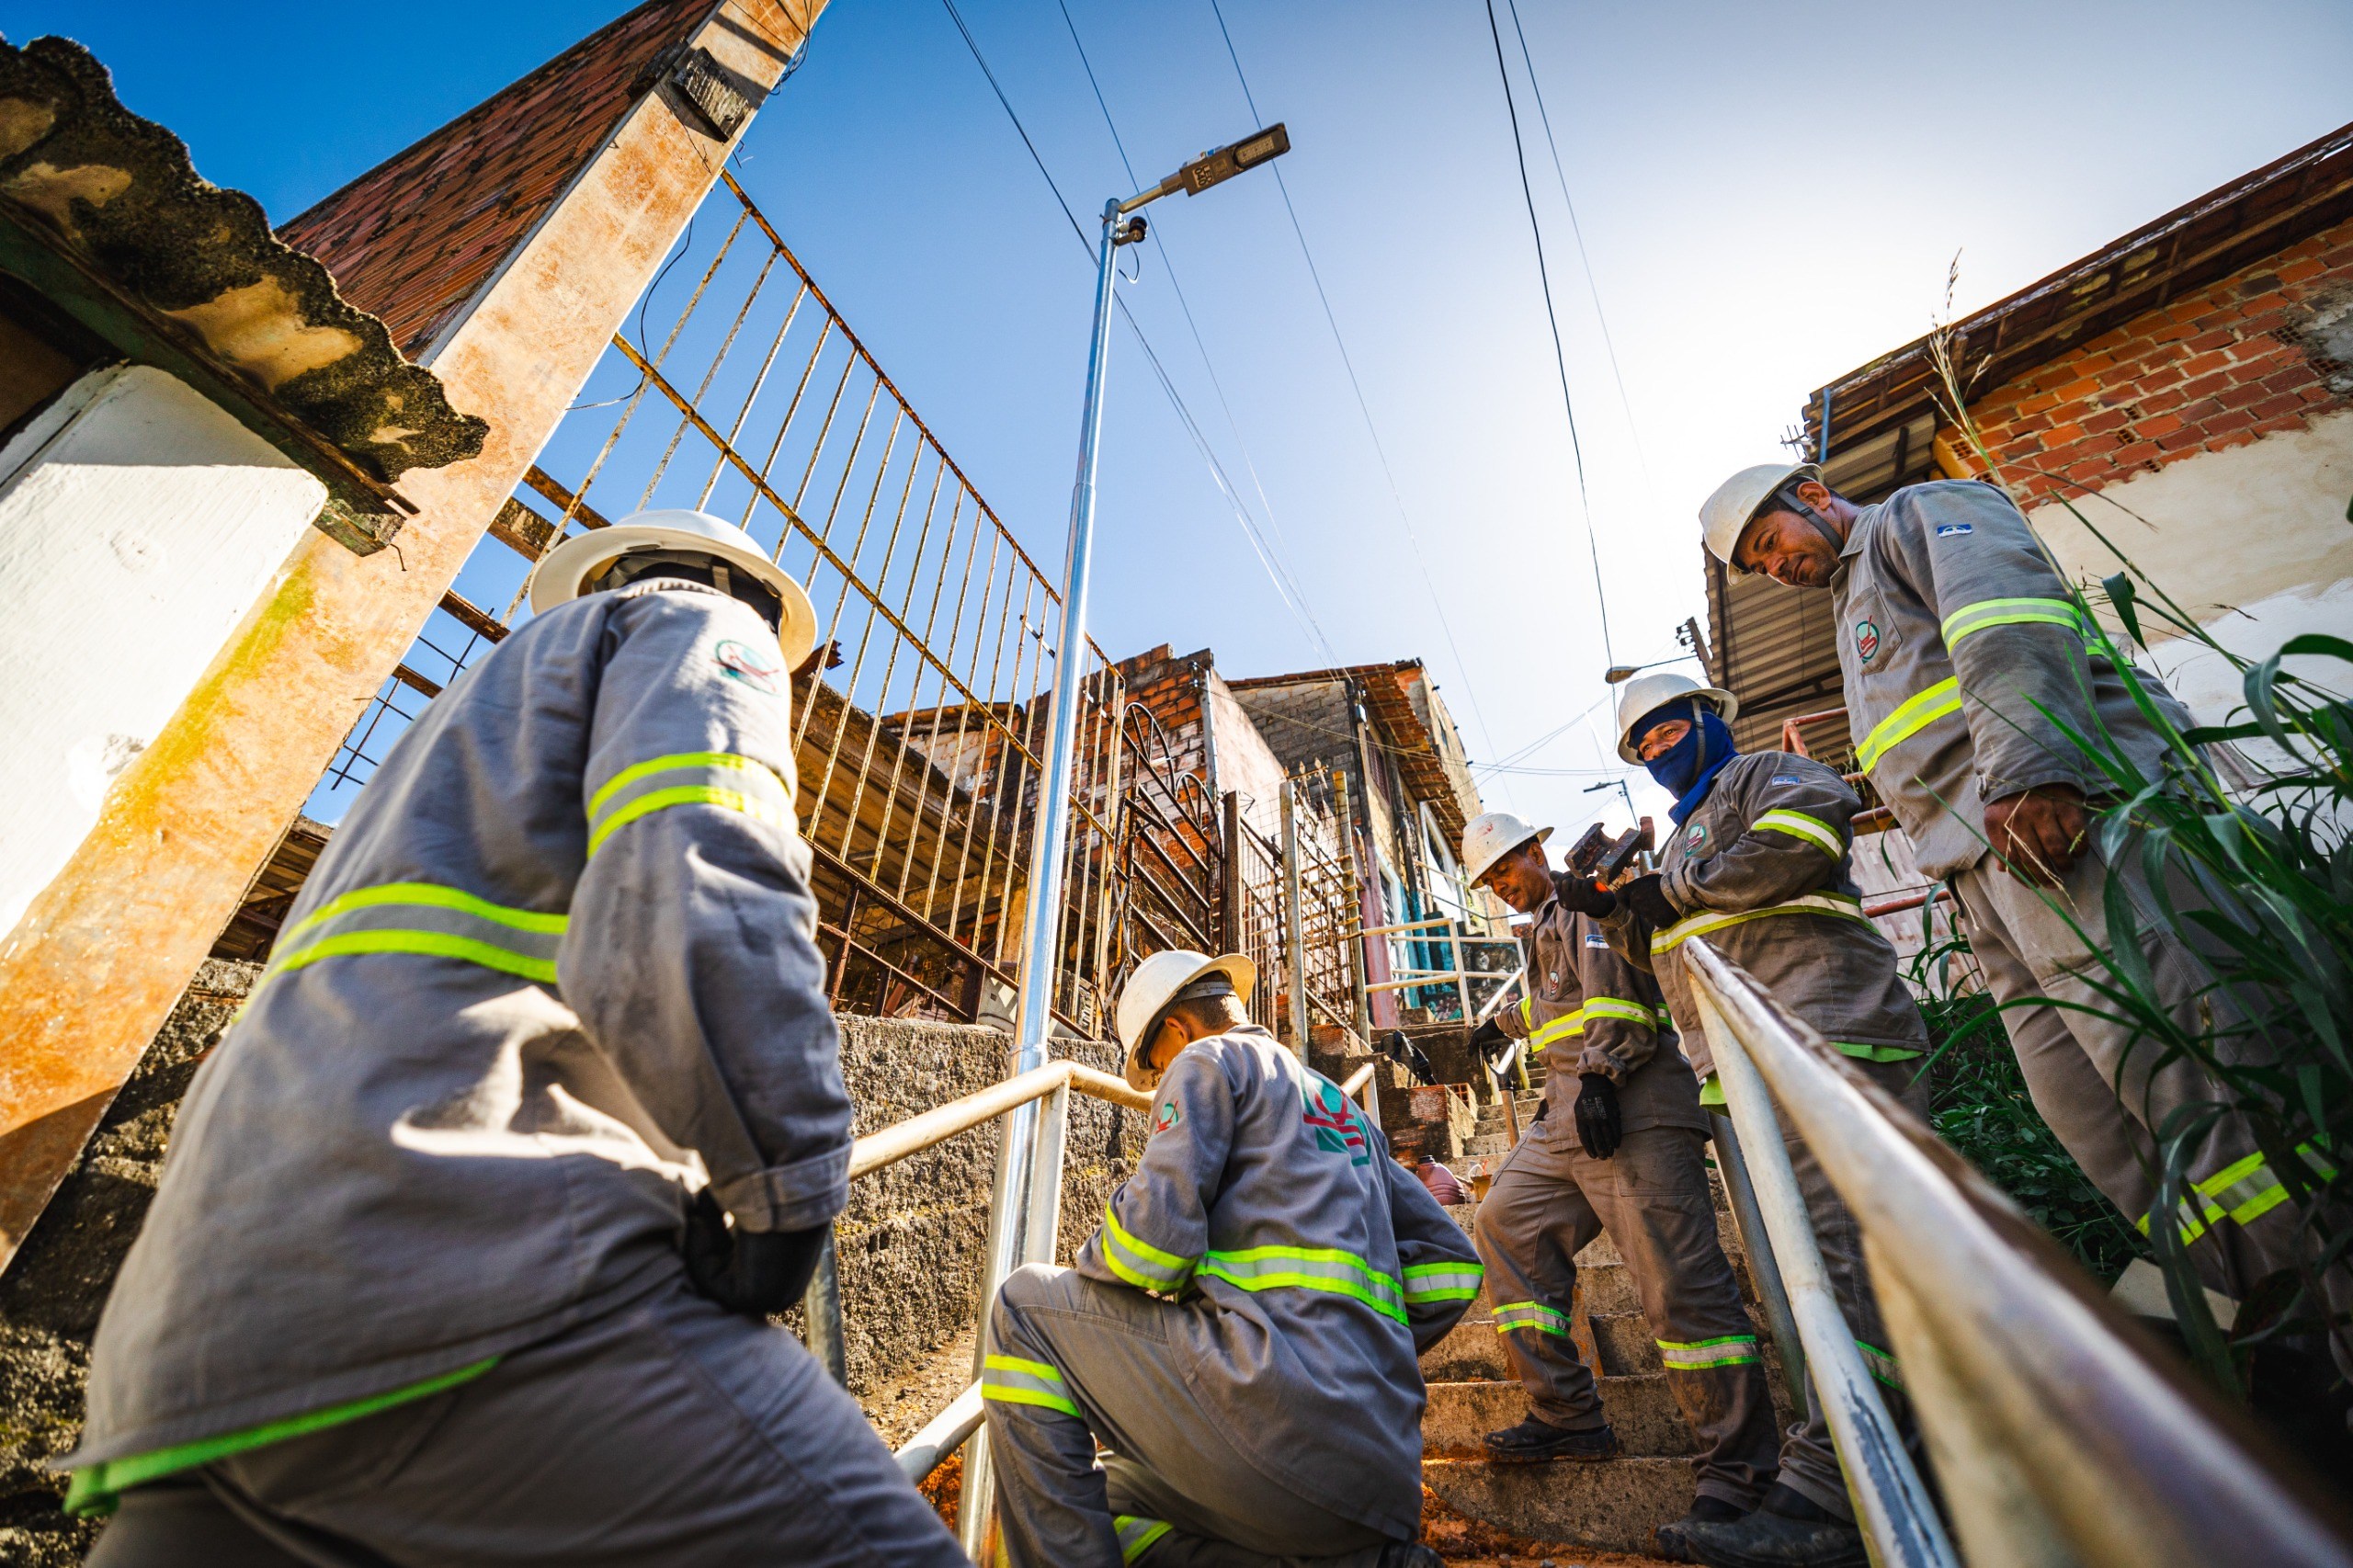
(1615, 1504)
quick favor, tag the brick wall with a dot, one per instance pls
(2236, 360)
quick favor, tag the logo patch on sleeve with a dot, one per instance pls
(1946, 530)
(740, 661)
(1867, 639)
(1166, 1116)
(1324, 1109)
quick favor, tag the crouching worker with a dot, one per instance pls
(470, 1227)
(1617, 1148)
(1240, 1336)
(1757, 866)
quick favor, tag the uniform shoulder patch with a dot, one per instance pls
(1325, 1110)
(1166, 1116)
(743, 662)
(1946, 530)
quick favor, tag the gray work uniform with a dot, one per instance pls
(1963, 656)
(556, 970)
(1241, 1335)
(1759, 868)
(1590, 1011)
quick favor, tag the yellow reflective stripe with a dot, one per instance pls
(1618, 1007)
(1527, 1012)
(1812, 904)
(1139, 1263)
(1813, 830)
(2245, 1190)
(433, 895)
(635, 771)
(1915, 714)
(1443, 1282)
(689, 795)
(1136, 1535)
(1009, 1380)
(1880, 1364)
(1984, 613)
(1511, 1315)
(1701, 1354)
(1876, 1052)
(1309, 1268)
(1567, 1026)
(431, 944)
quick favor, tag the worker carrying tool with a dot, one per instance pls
(1758, 865)
(1242, 1335)
(474, 1221)
(1967, 665)
(1616, 1148)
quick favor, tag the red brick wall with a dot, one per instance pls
(413, 238)
(2216, 369)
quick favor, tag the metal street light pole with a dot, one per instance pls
(1024, 1204)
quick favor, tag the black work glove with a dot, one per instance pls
(1398, 1048)
(756, 1273)
(1646, 896)
(1492, 1044)
(1584, 895)
(1600, 1126)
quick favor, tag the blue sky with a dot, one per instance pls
(1768, 196)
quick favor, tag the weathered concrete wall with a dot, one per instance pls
(910, 1243)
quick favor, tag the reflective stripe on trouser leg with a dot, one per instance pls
(1529, 1230)
(1706, 1354)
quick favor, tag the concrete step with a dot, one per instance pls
(1642, 1409)
(1625, 1343)
(1615, 1505)
(1487, 1143)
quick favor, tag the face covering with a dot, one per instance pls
(1689, 768)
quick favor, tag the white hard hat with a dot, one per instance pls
(1491, 837)
(1155, 983)
(573, 563)
(1647, 694)
(1724, 515)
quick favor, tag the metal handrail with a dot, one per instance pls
(2062, 1435)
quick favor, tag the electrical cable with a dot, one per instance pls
(1168, 386)
(1364, 408)
(1577, 232)
(1560, 357)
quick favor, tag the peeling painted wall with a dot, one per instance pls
(138, 524)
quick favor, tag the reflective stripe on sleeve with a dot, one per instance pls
(427, 919)
(1528, 1013)
(1880, 1364)
(1568, 1026)
(1986, 613)
(1309, 1268)
(1513, 1315)
(1009, 1380)
(1442, 1282)
(1700, 924)
(1913, 715)
(1139, 1263)
(689, 778)
(1813, 830)
(1137, 1536)
(1702, 1355)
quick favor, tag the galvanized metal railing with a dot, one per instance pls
(2061, 1434)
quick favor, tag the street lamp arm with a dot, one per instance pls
(1221, 165)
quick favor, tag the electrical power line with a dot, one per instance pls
(1560, 356)
(1364, 408)
(1217, 470)
(1577, 232)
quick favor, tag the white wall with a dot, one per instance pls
(138, 524)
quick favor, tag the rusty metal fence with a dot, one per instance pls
(920, 720)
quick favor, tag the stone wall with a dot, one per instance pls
(910, 1243)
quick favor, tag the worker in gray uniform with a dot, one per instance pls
(1966, 663)
(1616, 1147)
(1758, 865)
(1240, 1336)
(471, 1225)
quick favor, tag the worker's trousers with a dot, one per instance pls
(1548, 1202)
(2100, 1084)
(1086, 1361)
(670, 1431)
(1809, 1462)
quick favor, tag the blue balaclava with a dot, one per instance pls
(1689, 768)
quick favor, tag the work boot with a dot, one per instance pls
(1786, 1531)
(1533, 1439)
(1409, 1554)
(1705, 1511)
